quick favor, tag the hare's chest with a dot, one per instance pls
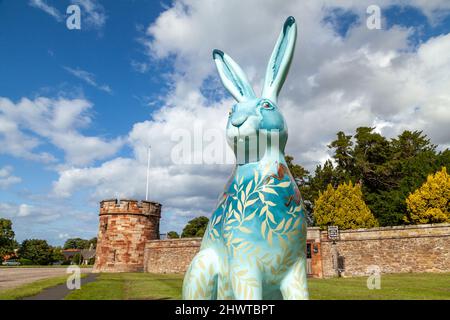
(263, 210)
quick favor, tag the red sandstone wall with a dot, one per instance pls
(170, 256)
(124, 229)
(421, 248)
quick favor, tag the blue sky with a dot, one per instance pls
(78, 107)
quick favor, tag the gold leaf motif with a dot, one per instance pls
(261, 197)
(269, 237)
(211, 270)
(288, 223)
(239, 207)
(270, 190)
(245, 230)
(251, 216)
(250, 202)
(284, 184)
(256, 174)
(280, 226)
(283, 243)
(249, 187)
(263, 229)
(270, 203)
(263, 210)
(270, 215)
(242, 272)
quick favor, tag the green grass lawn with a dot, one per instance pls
(32, 288)
(130, 286)
(113, 286)
(406, 286)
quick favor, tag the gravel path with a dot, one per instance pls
(14, 277)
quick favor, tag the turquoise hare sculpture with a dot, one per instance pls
(254, 245)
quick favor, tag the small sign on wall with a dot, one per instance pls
(333, 233)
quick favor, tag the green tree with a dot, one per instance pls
(343, 155)
(172, 235)
(77, 259)
(410, 144)
(93, 242)
(77, 243)
(299, 173)
(37, 251)
(57, 254)
(388, 170)
(343, 207)
(431, 202)
(7, 242)
(195, 227)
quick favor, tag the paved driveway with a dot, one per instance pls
(13, 277)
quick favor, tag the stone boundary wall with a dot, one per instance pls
(418, 248)
(171, 255)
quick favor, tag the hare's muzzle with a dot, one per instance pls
(239, 120)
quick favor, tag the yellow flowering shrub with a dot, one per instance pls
(343, 207)
(431, 202)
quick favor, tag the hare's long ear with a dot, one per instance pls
(280, 60)
(232, 76)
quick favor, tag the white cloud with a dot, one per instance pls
(7, 179)
(54, 222)
(31, 123)
(141, 67)
(93, 13)
(41, 4)
(24, 210)
(36, 214)
(89, 78)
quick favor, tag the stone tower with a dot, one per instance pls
(125, 227)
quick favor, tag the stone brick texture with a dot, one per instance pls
(419, 248)
(170, 256)
(125, 228)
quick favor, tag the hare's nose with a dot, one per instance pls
(239, 120)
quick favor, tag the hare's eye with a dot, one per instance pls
(230, 112)
(266, 105)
